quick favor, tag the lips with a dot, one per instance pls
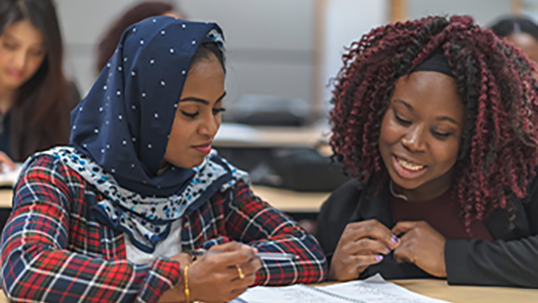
(15, 74)
(408, 169)
(204, 149)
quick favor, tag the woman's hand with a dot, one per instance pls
(215, 277)
(361, 245)
(6, 162)
(421, 245)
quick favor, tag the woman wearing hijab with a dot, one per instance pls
(116, 215)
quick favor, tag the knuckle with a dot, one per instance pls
(363, 244)
(370, 221)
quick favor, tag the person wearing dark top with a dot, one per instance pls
(436, 121)
(35, 97)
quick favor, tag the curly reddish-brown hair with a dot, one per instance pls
(499, 150)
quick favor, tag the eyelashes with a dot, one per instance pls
(189, 115)
(216, 111)
(402, 121)
(441, 136)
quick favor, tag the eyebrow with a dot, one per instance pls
(442, 118)
(194, 99)
(41, 44)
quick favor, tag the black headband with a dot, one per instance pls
(436, 62)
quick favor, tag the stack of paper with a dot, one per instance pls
(8, 177)
(374, 289)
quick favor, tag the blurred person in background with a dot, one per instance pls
(109, 41)
(35, 98)
(520, 31)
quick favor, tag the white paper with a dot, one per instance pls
(8, 177)
(295, 293)
(376, 289)
(371, 290)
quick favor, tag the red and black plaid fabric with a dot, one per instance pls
(54, 250)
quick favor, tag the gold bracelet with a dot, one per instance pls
(186, 277)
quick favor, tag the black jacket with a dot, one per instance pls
(512, 260)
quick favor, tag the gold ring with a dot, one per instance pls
(241, 275)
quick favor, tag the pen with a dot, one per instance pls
(262, 255)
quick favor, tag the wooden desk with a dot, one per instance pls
(439, 289)
(6, 195)
(456, 294)
(291, 201)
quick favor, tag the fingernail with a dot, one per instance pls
(394, 239)
(379, 257)
(387, 249)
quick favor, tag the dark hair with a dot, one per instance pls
(509, 25)
(204, 52)
(40, 111)
(137, 13)
(498, 154)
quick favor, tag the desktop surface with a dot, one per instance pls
(439, 289)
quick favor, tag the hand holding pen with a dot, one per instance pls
(275, 256)
(223, 272)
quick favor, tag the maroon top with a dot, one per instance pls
(442, 213)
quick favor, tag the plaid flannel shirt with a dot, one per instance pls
(54, 250)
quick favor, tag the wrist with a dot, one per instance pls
(175, 294)
(186, 290)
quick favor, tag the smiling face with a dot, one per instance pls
(198, 115)
(420, 134)
(22, 51)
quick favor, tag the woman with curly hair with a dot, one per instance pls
(436, 120)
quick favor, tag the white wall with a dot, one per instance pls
(82, 24)
(346, 21)
(270, 48)
(274, 46)
(483, 11)
(530, 8)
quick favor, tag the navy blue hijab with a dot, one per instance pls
(124, 122)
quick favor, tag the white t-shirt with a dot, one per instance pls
(167, 248)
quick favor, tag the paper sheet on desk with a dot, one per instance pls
(374, 289)
(9, 177)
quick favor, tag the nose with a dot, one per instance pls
(19, 60)
(209, 126)
(414, 139)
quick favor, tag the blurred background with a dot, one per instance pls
(275, 47)
(281, 56)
